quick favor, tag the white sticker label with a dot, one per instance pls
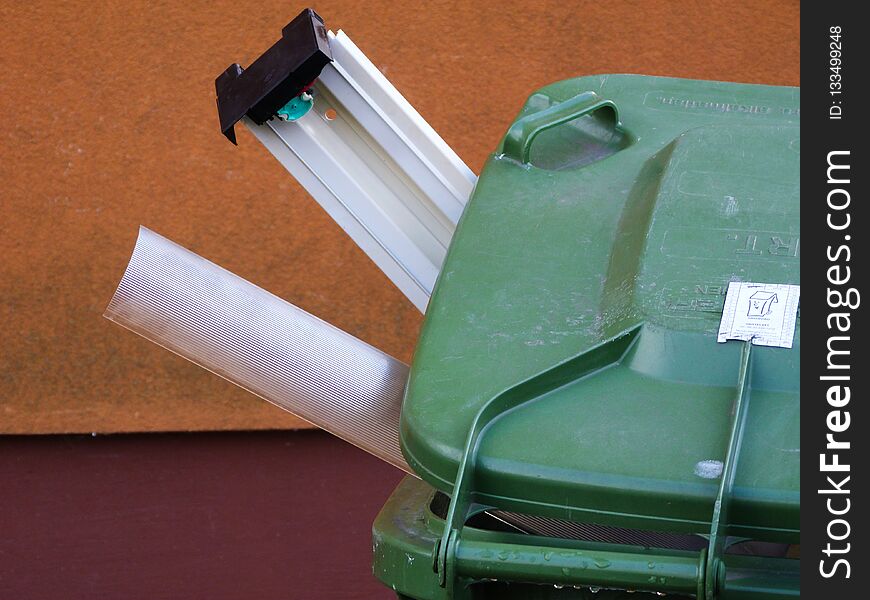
(762, 312)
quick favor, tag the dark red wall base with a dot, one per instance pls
(157, 516)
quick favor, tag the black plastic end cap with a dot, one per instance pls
(276, 77)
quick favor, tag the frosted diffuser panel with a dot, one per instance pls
(254, 339)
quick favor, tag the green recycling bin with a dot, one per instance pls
(577, 427)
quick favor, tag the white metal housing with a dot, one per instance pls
(379, 170)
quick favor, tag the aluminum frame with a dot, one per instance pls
(377, 168)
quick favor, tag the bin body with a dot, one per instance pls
(574, 323)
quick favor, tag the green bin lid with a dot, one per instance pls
(618, 245)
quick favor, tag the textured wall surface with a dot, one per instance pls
(109, 122)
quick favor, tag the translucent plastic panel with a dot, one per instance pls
(254, 339)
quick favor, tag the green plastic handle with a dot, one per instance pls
(518, 141)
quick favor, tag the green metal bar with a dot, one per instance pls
(405, 531)
(716, 548)
(562, 566)
(760, 578)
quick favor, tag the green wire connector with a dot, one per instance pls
(297, 108)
